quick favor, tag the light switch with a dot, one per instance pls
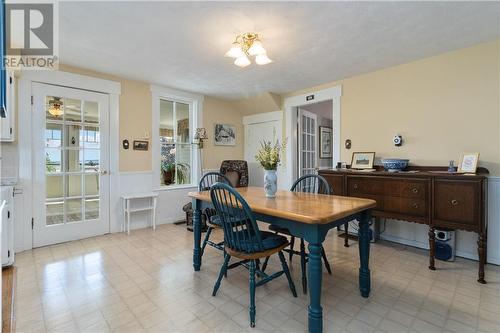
(146, 135)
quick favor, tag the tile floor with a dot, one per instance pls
(145, 282)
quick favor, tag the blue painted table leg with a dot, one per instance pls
(364, 254)
(197, 235)
(314, 280)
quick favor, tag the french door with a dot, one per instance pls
(70, 154)
(307, 137)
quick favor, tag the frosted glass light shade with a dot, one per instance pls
(242, 61)
(235, 51)
(262, 59)
(256, 48)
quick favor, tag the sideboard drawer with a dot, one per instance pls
(457, 201)
(406, 188)
(407, 206)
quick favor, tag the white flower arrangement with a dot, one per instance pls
(269, 155)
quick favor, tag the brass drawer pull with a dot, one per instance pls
(454, 202)
(355, 186)
(414, 190)
(415, 205)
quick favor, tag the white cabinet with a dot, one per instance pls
(7, 237)
(7, 124)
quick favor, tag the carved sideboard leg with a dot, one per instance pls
(481, 250)
(346, 235)
(432, 248)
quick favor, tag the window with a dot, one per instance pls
(175, 143)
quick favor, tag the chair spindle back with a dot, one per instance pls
(241, 232)
(211, 178)
(311, 184)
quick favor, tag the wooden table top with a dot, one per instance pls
(298, 206)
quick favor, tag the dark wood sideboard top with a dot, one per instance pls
(412, 171)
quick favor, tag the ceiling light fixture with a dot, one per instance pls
(55, 107)
(245, 46)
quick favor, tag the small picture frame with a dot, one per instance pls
(141, 145)
(225, 135)
(362, 160)
(468, 163)
(325, 142)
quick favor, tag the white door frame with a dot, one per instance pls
(24, 232)
(290, 105)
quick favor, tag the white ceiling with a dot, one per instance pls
(182, 44)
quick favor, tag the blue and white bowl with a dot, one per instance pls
(395, 164)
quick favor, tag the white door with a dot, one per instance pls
(307, 140)
(70, 154)
(255, 134)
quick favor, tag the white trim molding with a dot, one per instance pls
(290, 106)
(71, 80)
(263, 117)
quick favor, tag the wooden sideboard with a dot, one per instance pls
(426, 195)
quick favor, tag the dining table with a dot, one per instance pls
(305, 215)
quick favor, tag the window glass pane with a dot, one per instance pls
(92, 160)
(91, 112)
(53, 135)
(167, 164)
(73, 109)
(74, 136)
(54, 187)
(182, 118)
(54, 212)
(91, 208)
(183, 159)
(92, 184)
(73, 210)
(74, 185)
(166, 121)
(74, 160)
(54, 108)
(53, 160)
(91, 137)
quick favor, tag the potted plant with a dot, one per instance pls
(168, 165)
(269, 158)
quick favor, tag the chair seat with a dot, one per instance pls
(281, 230)
(269, 241)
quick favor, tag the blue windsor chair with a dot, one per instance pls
(244, 240)
(309, 184)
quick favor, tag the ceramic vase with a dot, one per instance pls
(270, 183)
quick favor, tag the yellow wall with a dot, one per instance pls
(135, 120)
(442, 106)
(135, 117)
(225, 112)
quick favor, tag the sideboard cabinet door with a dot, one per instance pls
(457, 202)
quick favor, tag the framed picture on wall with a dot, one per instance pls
(468, 162)
(362, 160)
(225, 135)
(325, 142)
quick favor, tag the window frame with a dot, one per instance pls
(195, 102)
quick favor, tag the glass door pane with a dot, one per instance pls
(72, 160)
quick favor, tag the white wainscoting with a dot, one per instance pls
(169, 207)
(416, 234)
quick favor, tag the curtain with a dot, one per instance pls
(3, 76)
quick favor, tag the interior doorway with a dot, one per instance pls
(332, 99)
(315, 137)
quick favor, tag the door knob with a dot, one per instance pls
(104, 172)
